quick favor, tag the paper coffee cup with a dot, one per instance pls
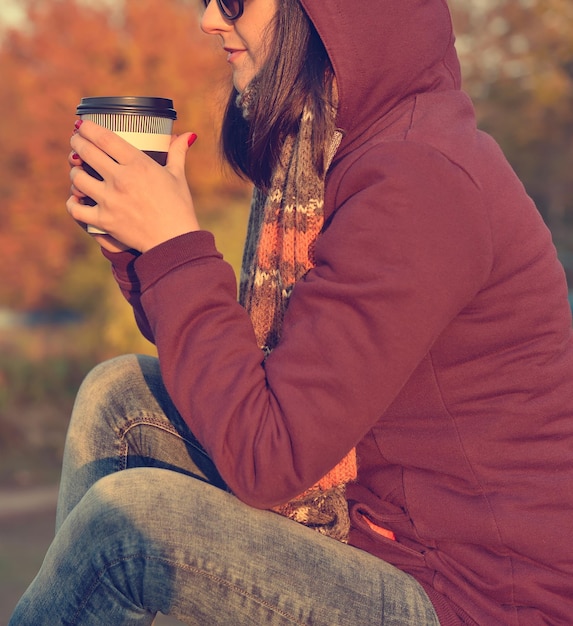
(145, 122)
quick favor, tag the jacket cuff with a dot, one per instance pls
(169, 255)
(122, 266)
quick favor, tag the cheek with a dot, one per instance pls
(259, 53)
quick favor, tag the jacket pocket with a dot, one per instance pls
(399, 551)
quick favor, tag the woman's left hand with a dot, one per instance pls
(139, 202)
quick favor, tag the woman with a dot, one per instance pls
(427, 335)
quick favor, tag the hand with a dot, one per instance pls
(139, 202)
(105, 241)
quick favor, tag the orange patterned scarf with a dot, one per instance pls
(279, 249)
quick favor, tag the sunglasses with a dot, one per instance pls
(231, 9)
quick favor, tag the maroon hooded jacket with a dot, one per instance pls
(434, 334)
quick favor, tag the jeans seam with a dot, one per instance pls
(213, 577)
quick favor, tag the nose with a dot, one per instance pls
(212, 22)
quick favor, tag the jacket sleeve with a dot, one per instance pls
(406, 249)
(122, 266)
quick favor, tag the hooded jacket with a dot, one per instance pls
(434, 334)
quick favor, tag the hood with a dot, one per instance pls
(383, 52)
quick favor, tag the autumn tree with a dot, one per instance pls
(67, 50)
(517, 57)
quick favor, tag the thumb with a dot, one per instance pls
(178, 150)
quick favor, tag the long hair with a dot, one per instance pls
(297, 71)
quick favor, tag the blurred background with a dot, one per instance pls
(60, 311)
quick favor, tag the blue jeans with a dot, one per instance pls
(145, 524)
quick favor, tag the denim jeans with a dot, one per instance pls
(145, 524)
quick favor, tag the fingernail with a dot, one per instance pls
(78, 124)
(192, 139)
(75, 156)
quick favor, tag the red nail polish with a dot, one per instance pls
(75, 156)
(78, 124)
(192, 139)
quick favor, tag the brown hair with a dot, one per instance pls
(297, 71)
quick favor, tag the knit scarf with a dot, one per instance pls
(283, 227)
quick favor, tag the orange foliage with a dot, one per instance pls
(518, 66)
(65, 51)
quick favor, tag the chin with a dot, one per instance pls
(241, 81)
(239, 85)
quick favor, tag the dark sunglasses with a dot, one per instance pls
(231, 9)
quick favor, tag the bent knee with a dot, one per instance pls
(128, 495)
(109, 372)
(115, 377)
(113, 510)
(113, 389)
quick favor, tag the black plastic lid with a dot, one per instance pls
(128, 105)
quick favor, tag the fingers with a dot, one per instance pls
(81, 224)
(105, 140)
(99, 150)
(77, 193)
(91, 158)
(135, 199)
(74, 159)
(105, 241)
(85, 178)
(178, 152)
(80, 212)
(83, 184)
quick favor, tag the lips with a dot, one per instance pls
(233, 53)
